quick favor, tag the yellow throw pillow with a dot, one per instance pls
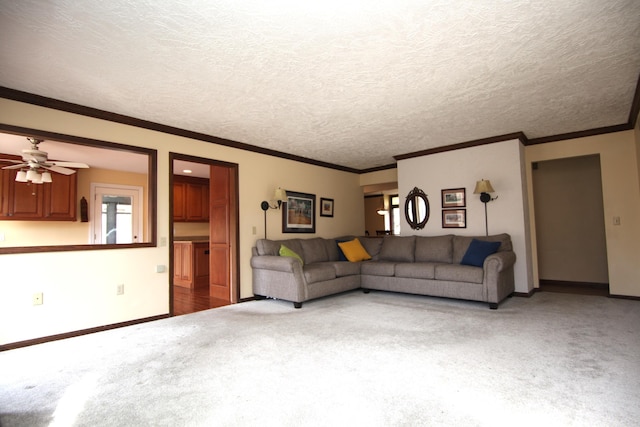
(285, 251)
(354, 251)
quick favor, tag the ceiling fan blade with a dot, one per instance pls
(69, 164)
(11, 161)
(59, 169)
(16, 166)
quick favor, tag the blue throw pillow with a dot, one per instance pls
(478, 250)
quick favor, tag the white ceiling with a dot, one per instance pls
(349, 82)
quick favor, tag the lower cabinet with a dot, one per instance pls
(191, 264)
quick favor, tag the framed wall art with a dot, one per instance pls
(299, 213)
(454, 218)
(326, 207)
(454, 198)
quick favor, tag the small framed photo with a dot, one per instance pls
(454, 198)
(299, 213)
(326, 207)
(454, 218)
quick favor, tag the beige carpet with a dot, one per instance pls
(377, 359)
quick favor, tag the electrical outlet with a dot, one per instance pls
(120, 290)
(254, 230)
(37, 298)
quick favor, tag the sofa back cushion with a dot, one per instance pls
(434, 248)
(272, 247)
(315, 250)
(398, 248)
(372, 245)
(461, 244)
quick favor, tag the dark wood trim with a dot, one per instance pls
(81, 332)
(594, 285)
(475, 143)
(152, 188)
(253, 298)
(629, 297)
(635, 106)
(525, 294)
(379, 168)
(580, 134)
(42, 101)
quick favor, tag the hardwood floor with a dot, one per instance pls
(574, 288)
(186, 301)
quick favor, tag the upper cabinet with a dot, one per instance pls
(54, 201)
(190, 199)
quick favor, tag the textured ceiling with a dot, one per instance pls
(349, 82)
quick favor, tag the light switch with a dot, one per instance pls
(616, 220)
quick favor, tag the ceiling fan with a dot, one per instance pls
(35, 165)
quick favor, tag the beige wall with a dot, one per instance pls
(501, 163)
(80, 287)
(621, 197)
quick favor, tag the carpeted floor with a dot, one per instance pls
(377, 359)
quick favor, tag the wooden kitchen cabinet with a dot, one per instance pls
(191, 264)
(54, 201)
(190, 199)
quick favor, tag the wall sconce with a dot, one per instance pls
(483, 187)
(279, 196)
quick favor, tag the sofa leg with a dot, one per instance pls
(493, 305)
(297, 305)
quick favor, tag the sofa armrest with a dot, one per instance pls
(277, 263)
(500, 261)
(499, 280)
(279, 277)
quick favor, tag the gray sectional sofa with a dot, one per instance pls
(423, 265)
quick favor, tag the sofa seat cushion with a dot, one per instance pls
(319, 272)
(346, 268)
(459, 273)
(378, 268)
(417, 270)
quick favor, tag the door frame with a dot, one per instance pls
(234, 265)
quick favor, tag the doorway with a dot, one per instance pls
(570, 227)
(203, 234)
(117, 213)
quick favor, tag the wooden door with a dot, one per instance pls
(222, 231)
(219, 250)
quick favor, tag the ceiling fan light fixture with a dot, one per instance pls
(21, 176)
(46, 177)
(33, 175)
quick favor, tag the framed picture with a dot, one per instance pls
(326, 207)
(454, 218)
(299, 213)
(454, 198)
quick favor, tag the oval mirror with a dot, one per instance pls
(416, 209)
